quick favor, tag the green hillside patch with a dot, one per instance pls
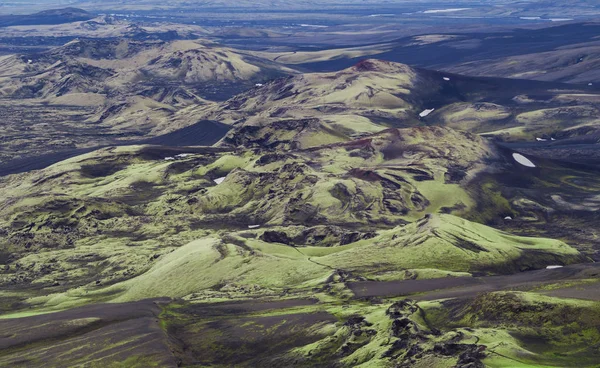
(210, 263)
(525, 329)
(449, 243)
(433, 247)
(124, 223)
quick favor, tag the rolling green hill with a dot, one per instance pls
(335, 224)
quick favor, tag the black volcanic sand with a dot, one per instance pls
(82, 335)
(584, 291)
(243, 307)
(468, 287)
(560, 193)
(474, 46)
(161, 331)
(578, 150)
(203, 133)
(461, 88)
(238, 339)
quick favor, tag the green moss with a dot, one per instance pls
(564, 284)
(491, 204)
(129, 362)
(225, 164)
(527, 328)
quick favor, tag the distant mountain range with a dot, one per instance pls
(55, 16)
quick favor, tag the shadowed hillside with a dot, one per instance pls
(375, 95)
(55, 16)
(95, 92)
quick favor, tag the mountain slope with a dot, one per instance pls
(96, 91)
(54, 16)
(572, 64)
(375, 95)
(130, 90)
(361, 207)
(295, 239)
(445, 243)
(121, 65)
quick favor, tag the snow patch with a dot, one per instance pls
(219, 180)
(184, 155)
(313, 25)
(523, 160)
(541, 139)
(436, 11)
(253, 226)
(258, 85)
(446, 79)
(169, 158)
(426, 112)
(553, 267)
(508, 218)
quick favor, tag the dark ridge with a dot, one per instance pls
(576, 153)
(488, 46)
(39, 162)
(54, 16)
(467, 286)
(203, 133)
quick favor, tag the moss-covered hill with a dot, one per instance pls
(294, 242)
(313, 228)
(95, 92)
(375, 95)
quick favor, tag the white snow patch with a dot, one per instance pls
(381, 15)
(530, 18)
(508, 218)
(29, 61)
(258, 85)
(523, 160)
(446, 79)
(184, 155)
(169, 158)
(553, 267)
(313, 25)
(541, 139)
(436, 11)
(253, 226)
(426, 112)
(552, 139)
(219, 180)
(561, 19)
(590, 84)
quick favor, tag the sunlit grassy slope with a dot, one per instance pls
(153, 221)
(313, 196)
